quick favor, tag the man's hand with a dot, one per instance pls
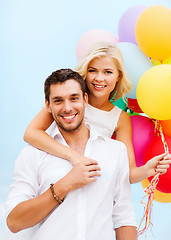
(82, 174)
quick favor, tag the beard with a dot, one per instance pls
(66, 127)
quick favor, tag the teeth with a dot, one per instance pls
(97, 86)
(69, 117)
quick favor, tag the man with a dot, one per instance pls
(59, 201)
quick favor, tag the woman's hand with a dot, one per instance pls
(158, 164)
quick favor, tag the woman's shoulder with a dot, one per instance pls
(124, 120)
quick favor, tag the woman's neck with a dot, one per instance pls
(102, 104)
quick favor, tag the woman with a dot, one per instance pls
(104, 73)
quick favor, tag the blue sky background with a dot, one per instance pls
(36, 38)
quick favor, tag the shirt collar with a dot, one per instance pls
(93, 133)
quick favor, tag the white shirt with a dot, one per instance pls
(89, 213)
(104, 122)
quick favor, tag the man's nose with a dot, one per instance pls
(67, 106)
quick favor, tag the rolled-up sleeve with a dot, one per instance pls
(24, 184)
(123, 211)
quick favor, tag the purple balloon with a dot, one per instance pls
(126, 27)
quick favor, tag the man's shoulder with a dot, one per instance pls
(29, 150)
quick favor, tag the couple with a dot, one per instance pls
(55, 200)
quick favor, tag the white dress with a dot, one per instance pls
(103, 121)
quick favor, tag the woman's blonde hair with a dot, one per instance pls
(103, 49)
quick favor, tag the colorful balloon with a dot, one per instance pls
(91, 37)
(153, 33)
(167, 61)
(158, 196)
(120, 103)
(154, 92)
(133, 105)
(155, 148)
(126, 26)
(166, 126)
(135, 63)
(142, 135)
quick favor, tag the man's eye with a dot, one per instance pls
(58, 101)
(74, 99)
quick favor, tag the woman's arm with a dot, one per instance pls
(156, 164)
(36, 136)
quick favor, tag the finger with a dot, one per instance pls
(161, 171)
(164, 162)
(168, 156)
(94, 174)
(93, 168)
(166, 166)
(90, 162)
(161, 156)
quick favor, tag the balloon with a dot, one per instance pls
(142, 135)
(153, 32)
(156, 62)
(133, 105)
(91, 37)
(154, 92)
(120, 103)
(167, 61)
(166, 126)
(158, 196)
(126, 27)
(135, 63)
(155, 148)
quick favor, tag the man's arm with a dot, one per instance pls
(28, 213)
(126, 233)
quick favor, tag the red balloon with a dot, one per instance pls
(142, 134)
(133, 105)
(155, 148)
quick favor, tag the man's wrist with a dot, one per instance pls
(62, 188)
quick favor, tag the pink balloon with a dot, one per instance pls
(126, 26)
(91, 37)
(142, 134)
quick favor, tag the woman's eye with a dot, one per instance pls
(108, 72)
(91, 70)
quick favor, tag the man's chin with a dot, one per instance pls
(69, 127)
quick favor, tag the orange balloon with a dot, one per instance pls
(166, 126)
(158, 196)
(153, 32)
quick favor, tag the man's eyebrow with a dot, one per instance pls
(55, 98)
(60, 97)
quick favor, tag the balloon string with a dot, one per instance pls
(150, 190)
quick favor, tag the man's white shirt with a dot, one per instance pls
(88, 213)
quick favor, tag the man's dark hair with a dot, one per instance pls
(61, 76)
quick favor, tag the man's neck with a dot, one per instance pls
(77, 139)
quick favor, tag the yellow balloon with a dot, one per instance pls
(154, 92)
(167, 61)
(153, 32)
(158, 196)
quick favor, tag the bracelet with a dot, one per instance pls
(54, 195)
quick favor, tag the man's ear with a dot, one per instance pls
(85, 99)
(47, 106)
